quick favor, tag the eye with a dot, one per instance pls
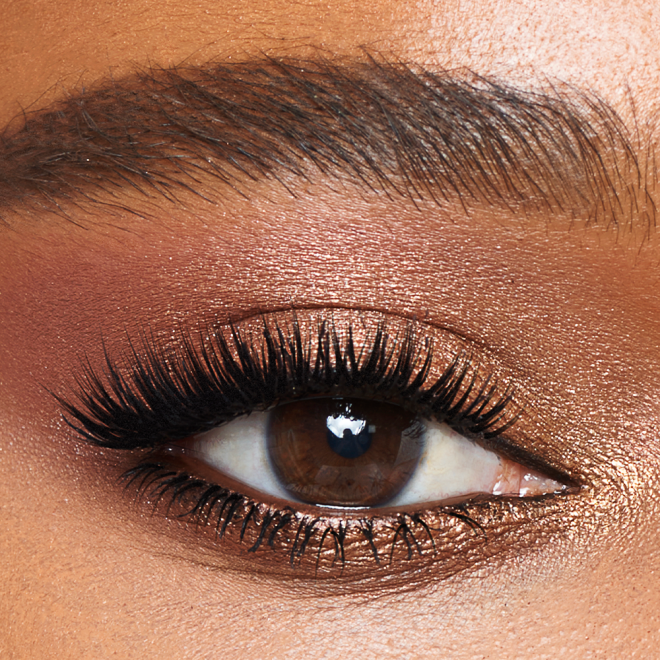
(343, 442)
(348, 453)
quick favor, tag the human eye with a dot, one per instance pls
(320, 444)
(356, 453)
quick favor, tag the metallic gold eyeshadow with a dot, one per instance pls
(230, 370)
(307, 542)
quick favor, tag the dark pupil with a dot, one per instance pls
(343, 452)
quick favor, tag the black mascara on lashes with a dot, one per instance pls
(164, 398)
(155, 398)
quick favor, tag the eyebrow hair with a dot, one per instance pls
(383, 126)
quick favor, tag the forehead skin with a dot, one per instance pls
(73, 592)
(49, 46)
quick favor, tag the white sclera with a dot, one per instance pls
(450, 465)
(239, 449)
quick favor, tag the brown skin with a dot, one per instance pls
(572, 315)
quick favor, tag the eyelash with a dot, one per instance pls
(156, 398)
(169, 398)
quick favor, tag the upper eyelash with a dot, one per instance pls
(165, 398)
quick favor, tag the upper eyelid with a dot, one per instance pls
(103, 402)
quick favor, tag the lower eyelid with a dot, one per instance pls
(312, 544)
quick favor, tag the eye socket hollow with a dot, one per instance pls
(345, 452)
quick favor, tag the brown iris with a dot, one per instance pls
(343, 452)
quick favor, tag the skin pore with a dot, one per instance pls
(558, 299)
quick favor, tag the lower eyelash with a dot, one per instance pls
(405, 547)
(226, 510)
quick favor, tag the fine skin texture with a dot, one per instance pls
(561, 303)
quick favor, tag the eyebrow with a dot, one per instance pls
(391, 127)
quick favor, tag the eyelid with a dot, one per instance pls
(157, 395)
(145, 389)
(353, 549)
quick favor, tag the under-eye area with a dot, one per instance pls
(288, 540)
(323, 445)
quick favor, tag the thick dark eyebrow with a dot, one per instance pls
(382, 125)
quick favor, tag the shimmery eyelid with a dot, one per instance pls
(157, 394)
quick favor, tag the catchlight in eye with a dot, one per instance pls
(343, 452)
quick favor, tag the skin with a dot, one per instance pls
(571, 313)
